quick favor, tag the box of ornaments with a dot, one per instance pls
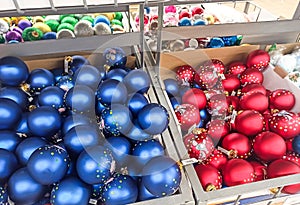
(239, 122)
(83, 129)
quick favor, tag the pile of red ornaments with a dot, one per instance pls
(238, 130)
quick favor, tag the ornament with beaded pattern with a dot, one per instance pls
(217, 159)
(251, 76)
(293, 157)
(3, 195)
(258, 59)
(185, 74)
(217, 129)
(282, 99)
(236, 68)
(210, 177)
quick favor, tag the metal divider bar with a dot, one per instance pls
(18, 7)
(52, 5)
(297, 12)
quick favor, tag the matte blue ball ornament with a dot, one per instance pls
(216, 42)
(23, 125)
(296, 144)
(9, 164)
(175, 101)
(70, 191)
(10, 114)
(136, 102)
(65, 82)
(117, 74)
(161, 176)
(101, 18)
(137, 133)
(171, 86)
(9, 140)
(99, 108)
(121, 190)
(39, 79)
(15, 94)
(52, 96)
(3, 195)
(88, 75)
(74, 120)
(48, 164)
(137, 81)
(25, 149)
(115, 57)
(95, 165)
(23, 189)
(13, 71)
(185, 21)
(97, 190)
(153, 118)
(76, 62)
(58, 73)
(49, 35)
(199, 22)
(144, 194)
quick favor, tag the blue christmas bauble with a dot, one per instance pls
(101, 18)
(171, 86)
(39, 79)
(15, 94)
(13, 71)
(48, 164)
(25, 149)
(117, 120)
(74, 120)
(185, 21)
(49, 35)
(77, 61)
(97, 190)
(9, 140)
(23, 126)
(57, 73)
(137, 133)
(88, 75)
(23, 189)
(81, 137)
(99, 108)
(116, 74)
(183, 89)
(70, 191)
(44, 122)
(95, 165)
(3, 195)
(204, 115)
(10, 114)
(121, 190)
(120, 147)
(43, 201)
(80, 99)
(52, 96)
(137, 81)
(112, 91)
(161, 176)
(65, 82)
(153, 118)
(202, 124)
(296, 144)
(230, 40)
(216, 42)
(175, 102)
(9, 164)
(115, 57)
(136, 102)
(144, 194)
(199, 22)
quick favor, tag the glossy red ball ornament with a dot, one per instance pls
(254, 101)
(184, 14)
(286, 124)
(195, 97)
(233, 103)
(206, 77)
(281, 167)
(218, 65)
(187, 115)
(185, 74)
(217, 159)
(217, 129)
(236, 68)
(237, 171)
(251, 76)
(217, 105)
(293, 157)
(210, 177)
(269, 146)
(237, 143)
(282, 99)
(231, 83)
(254, 88)
(249, 122)
(260, 170)
(258, 59)
(267, 115)
(197, 10)
(289, 144)
(199, 144)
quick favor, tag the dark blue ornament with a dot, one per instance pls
(97, 190)
(88, 75)
(161, 176)
(9, 164)
(43, 201)
(52, 96)
(80, 99)
(121, 190)
(230, 40)
(175, 101)
(120, 147)
(137, 133)
(23, 126)
(57, 73)
(3, 195)
(183, 89)
(10, 114)
(115, 57)
(112, 91)
(137, 81)
(44, 122)
(65, 82)
(23, 189)
(48, 164)
(185, 21)
(74, 120)
(103, 19)
(136, 102)
(25, 149)
(204, 115)
(95, 165)
(39, 79)
(296, 144)
(9, 140)
(199, 22)
(116, 74)
(49, 35)
(77, 62)
(171, 86)
(202, 124)
(144, 194)
(195, 85)
(99, 108)
(216, 42)
(13, 71)
(70, 191)
(117, 120)
(153, 118)
(81, 137)
(133, 169)
(15, 94)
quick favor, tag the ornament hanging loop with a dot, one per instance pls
(230, 153)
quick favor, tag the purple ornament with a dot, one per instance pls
(13, 35)
(17, 29)
(24, 23)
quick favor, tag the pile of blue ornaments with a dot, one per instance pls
(81, 134)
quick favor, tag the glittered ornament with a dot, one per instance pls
(39, 79)
(53, 24)
(195, 97)
(10, 114)
(42, 26)
(230, 83)
(3, 195)
(230, 40)
(66, 82)
(216, 42)
(24, 23)
(258, 59)
(102, 29)
(217, 159)
(185, 74)
(9, 140)
(137, 81)
(249, 122)
(260, 170)
(88, 75)
(217, 129)
(251, 76)
(254, 88)
(69, 19)
(115, 57)
(254, 101)
(282, 99)
(4, 26)
(13, 35)
(65, 33)
(32, 34)
(210, 177)
(187, 115)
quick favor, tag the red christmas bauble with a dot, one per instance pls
(258, 59)
(249, 122)
(254, 88)
(233, 102)
(236, 68)
(251, 76)
(293, 157)
(211, 92)
(217, 129)
(267, 115)
(185, 74)
(195, 97)
(237, 171)
(184, 14)
(282, 99)
(269, 146)
(197, 10)
(238, 143)
(210, 178)
(217, 105)
(187, 115)
(289, 144)
(254, 101)
(260, 170)
(218, 65)
(154, 17)
(217, 159)
(286, 124)
(231, 83)
(206, 76)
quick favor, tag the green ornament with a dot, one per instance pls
(71, 20)
(118, 16)
(116, 22)
(78, 16)
(32, 34)
(2, 39)
(65, 26)
(53, 24)
(88, 18)
(61, 17)
(273, 47)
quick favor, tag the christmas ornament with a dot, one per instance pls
(102, 29)
(39, 79)
(52, 96)
(217, 65)
(95, 165)
(24, 23)
(76, 62)
(172, 87)
(65, 33)
(144, 194)
(49, 35)
(10, 114)
(69, 19)
(101, 18)
(254, 101)
(260, 170)
(42, 27)
(217, 159)
(170, 9)
(9, 164)
(289, 144)
(137, 133)
(236, 68)
(237, 143)
(217, 129)
(32, 34)
(13, 71)
(15, 94)
(184, 21)
(206, 77)
(161, 176)
(137, 81)
(292, 156)
(216, 42)
(187, 115)
(230, 40)
(13, 35)
(65, 27)
(210, 178)
(230, 83)
(120, 147)
(88, 75)
(153, 118)
(3, 195)
(74, 120)
(217, 105)
(258, 59)
(185, 74)
(97, 190)
(115, 57)
(195, 97)
(237, 171)
(116, 74)
(9, 140)
(136, 102)
(53, 24)
(296, 144)
(70, 191)
(249, 122)
(282, 99)
(251, 88)
(197, 10)
(233, 103)
(251, 76)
